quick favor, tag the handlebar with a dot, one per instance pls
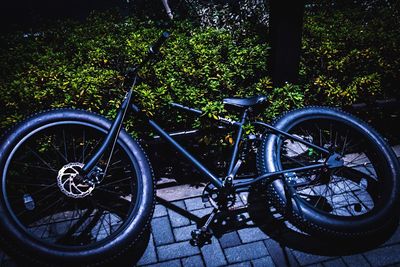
(153, 50)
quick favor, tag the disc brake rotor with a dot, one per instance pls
(71, 182)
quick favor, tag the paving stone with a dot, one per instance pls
(251, 234)
(244, 197)
(180, 204)
(281, 256)
(160, 211)
(213, 254)
(162, 231)
(246, 252)
(173, 263)
(306, 258)
(178, 220)
(194, 261)
(334, 263)
(241, 264)
(176, 250)
(149, 256)
(184, 233)
(357, 260)
(263, 262)
(196, 203)
(238, 201)
(179, 192)
(384, 256)
(315, 265)
(230, 239)
(201, 213)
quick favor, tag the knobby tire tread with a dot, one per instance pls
(277, 202)
(17, 252)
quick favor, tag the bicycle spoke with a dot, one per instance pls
(83, 146)
(74, 227)
(33, 166)
(55, 207)
(65, 146)
(114, 182)
(42, 160)
(59, 153)
(340, 189)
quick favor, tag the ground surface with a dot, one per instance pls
(273, 242)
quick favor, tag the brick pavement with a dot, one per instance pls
(249, 245)
(169, 245)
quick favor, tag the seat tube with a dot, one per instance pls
(237, 141)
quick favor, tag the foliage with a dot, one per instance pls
(350, 54)
(82, 66)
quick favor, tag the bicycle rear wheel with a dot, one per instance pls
(49, 215)
(358, 198)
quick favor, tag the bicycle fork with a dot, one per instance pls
(92, 173)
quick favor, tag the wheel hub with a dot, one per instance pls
(71, 183)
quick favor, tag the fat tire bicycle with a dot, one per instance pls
(76, 188)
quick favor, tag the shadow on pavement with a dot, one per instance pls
(263, 216)
(275, 226)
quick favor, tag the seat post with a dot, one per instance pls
(236, 145)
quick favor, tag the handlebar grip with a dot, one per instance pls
(156, 47)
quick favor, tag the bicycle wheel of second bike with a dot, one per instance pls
(356, 199)
(52, 217)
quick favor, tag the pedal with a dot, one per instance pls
(200, 237)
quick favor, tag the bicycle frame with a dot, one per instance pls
(218, 182)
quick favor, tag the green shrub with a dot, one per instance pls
(350, 55)
(82, 66)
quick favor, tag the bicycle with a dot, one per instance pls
(76, 188)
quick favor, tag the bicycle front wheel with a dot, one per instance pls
(49, 215)
(358, 198)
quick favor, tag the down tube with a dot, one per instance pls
(213, 179)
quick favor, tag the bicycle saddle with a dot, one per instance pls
(245, 102)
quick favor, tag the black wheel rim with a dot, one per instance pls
(44, 212)
(355, 189)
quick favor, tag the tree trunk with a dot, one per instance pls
(286, 22)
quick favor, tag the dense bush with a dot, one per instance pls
(82, 65)
(351, 54)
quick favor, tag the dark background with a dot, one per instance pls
(25, 14)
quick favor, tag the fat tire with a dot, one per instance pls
(19, 244)
(314, 221)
